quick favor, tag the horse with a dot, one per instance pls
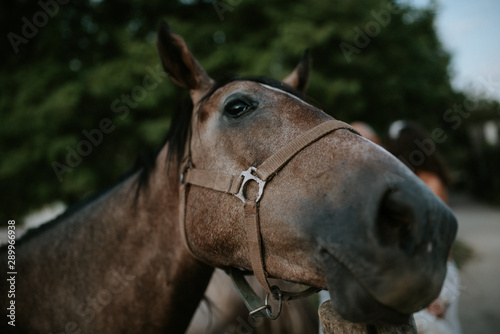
(253, 177)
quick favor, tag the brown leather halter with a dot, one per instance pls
(236, 185)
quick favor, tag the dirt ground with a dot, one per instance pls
(479, 228)
(479, 303)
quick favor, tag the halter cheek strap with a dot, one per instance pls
(236, 185)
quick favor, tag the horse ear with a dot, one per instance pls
(300, 75)
(180, 65)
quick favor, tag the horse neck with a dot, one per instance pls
(138, 238)
(185, 278)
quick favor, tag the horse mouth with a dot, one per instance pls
(352, 299)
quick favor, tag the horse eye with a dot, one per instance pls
(237, 108)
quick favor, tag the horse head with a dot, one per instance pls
(338, 213)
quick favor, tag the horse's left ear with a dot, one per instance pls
(180, 65)
(300, 75)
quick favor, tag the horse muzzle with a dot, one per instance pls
(399, 267)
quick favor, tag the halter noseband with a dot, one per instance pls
(236, 185)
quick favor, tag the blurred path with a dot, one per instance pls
(479, 304)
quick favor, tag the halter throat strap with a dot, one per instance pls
(236, 185)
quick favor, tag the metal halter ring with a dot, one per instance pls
(268, 307)
(248, 176)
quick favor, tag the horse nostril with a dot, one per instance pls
(395, 222)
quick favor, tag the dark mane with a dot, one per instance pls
(144, 164)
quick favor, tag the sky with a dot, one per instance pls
(470, 31)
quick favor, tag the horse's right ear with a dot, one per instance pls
(180, 64)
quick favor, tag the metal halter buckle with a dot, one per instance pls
(187, 165)
(248, 176)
